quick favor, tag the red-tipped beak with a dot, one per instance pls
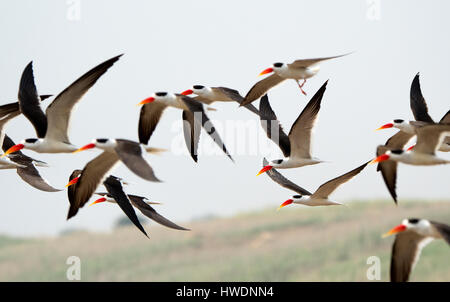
(380, 159)
(389, 125)
(146, 101)
(88, 146)
(187, 92)
(102, 199)
(72, 182)
(287, 202)
(265, 169)
(265, 71)
(13, 149)
(397, 229)
(410, 148)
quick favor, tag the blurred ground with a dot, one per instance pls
(294, 244)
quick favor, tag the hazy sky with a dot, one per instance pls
(172, 45)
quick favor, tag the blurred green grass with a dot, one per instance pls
(294, 244)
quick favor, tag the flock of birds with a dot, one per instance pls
(52, 137)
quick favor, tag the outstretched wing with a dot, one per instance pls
(272, 126)
(150, 115)
(91, 177)
(261, 88)
(60, 110)
(114, 188)
(148, 211)
(283, 181)
(330, 186)
(417, 102)
(301, 132)
(197, 109)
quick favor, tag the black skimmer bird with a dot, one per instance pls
(297, 70)
(115, 150)
(297, 146)
(419, 109)
(143, 205)
(320, 196)
(26, 168)
(126, 202)
(423, 154)
(209, 95)
(429, 138)
(52, 126)
(412, 235)
(194, 117)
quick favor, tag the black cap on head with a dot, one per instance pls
(161, 93)
(198, 86)
(413, 220)
(31, 140)
(397, 151)
(101, 140)
(398, 121)
(278, 64)
(297, 196)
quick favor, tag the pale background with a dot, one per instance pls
(172, 45)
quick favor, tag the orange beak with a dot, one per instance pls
(287, 202)
(380, 159)
(88, 146)
(146, 101)
(389, 125)
(265, 71)
(397, 229)
(13, 149)
(102, 199)
(410, 148)
(187, 92)
(265, 169)
(72, 182)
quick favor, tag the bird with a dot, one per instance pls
(143, 205)
(26, 168)
(115, 194)
(52, 127)
(423, 154)
(297, 70)
(429, 138)
(93, 173)
(321, 196)
(412, 235)
(419, 109)
(193, 114)
(297, 146)
(209, 95)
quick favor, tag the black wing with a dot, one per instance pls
(272, 126)
(114, 187)
(191, 131)
(283, 181)
(197, 108)
(417, 102)
(130, 153)
(29, 102)
(148, 211)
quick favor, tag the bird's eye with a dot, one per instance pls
(161, 93)
(31, 140)
(398, 121)
(278, 161)
(278, 65)
(198, 87)
(397, 151)
(413, 220)
(102, 140)
(297, 196)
